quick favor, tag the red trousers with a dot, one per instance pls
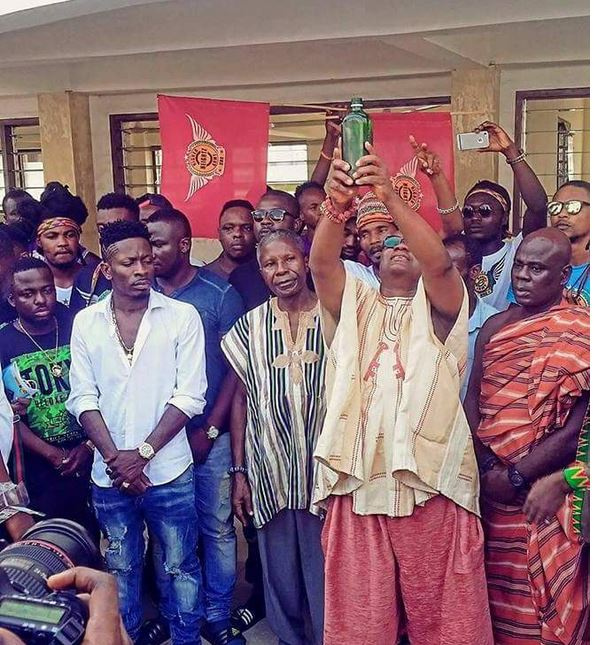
(424, 572)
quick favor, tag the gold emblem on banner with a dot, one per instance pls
(406, 185)
(204, 159)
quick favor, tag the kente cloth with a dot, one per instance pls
(55, 222)
(395, 434)
(534, 371)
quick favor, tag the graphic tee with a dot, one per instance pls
(46, 415)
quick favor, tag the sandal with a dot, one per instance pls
(221, 634)
(243, 618)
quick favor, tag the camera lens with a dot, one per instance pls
(45, 549)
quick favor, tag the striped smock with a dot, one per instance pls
(284, 381)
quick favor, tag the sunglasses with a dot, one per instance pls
(275, 214)
(484, 210)
(573, 207)
(392, 241)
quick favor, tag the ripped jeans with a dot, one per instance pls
(170, 514)
(217, 537)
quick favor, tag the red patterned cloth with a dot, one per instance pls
(534, 371)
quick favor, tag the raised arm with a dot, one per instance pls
(442, 281)
(453, 221)
(325, 263)
(332, 130)
(531, 189)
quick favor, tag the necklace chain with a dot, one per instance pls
(129, 351)
(55, 367)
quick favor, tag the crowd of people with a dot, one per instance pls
(397, 416)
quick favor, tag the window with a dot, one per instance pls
(553, 127)
(295, 138)
(20, 156)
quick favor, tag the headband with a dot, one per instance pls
(492, 193)
(55, 222)
(371, 209)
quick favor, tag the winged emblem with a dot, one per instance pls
(204, 158)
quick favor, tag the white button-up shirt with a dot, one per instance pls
(168, 367)
(6, 427)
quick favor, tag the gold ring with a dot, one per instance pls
(125, 485)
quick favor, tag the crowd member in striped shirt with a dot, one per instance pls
(278, 353)
(527, 399)
(398, 474)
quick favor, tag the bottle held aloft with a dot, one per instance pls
(356, 130)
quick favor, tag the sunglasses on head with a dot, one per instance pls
(573, 207)
(275, 214)
(484, 210)
(392, 241)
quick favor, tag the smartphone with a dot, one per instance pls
(15, 385)
(472, 140)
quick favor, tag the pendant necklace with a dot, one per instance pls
(55, 367)
(127, 350)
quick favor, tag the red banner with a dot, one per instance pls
(390, 134)
(213, 151)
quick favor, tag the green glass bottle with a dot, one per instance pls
(356, 129)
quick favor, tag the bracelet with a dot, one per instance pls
(448, 211)
(16, 418)
(517, 159)
(330, 212)
(577, 476)
(325, 156)
(232, 470)
(90, 446)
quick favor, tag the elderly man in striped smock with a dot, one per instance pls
(278, 353)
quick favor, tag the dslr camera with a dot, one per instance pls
(28, 608)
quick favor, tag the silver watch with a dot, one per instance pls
(212, 433)
(146, 451)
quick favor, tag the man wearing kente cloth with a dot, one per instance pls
(526, 402)
(402, 539)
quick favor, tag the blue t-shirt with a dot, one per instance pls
(578, 285)
(219, 306)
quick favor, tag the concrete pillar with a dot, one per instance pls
(65, 129)
(474, 98)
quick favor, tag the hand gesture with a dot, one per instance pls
(498, 139)
(332, 126)
(77, 462)
(428, 160)
(241, 499)
(19, 406)
(340, 186)
(126, 472)
(100, 593)
(372, 171)
(545, 498)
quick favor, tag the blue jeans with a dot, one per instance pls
(170, 515)
(213, 495)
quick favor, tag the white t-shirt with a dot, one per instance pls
(364, 273)
(63, 294)
(494, 283)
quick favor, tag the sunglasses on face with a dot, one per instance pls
(484, 210)
(573, 207)
(275, 214)
(392, 241)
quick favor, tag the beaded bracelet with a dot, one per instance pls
(448, 211)
(517, 159)
(330, 212)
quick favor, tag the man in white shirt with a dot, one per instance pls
(137, 377)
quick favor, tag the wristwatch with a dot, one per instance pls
(516, 478)
(146, 451)
(212, 433)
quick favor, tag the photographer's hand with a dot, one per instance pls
(100, 592)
